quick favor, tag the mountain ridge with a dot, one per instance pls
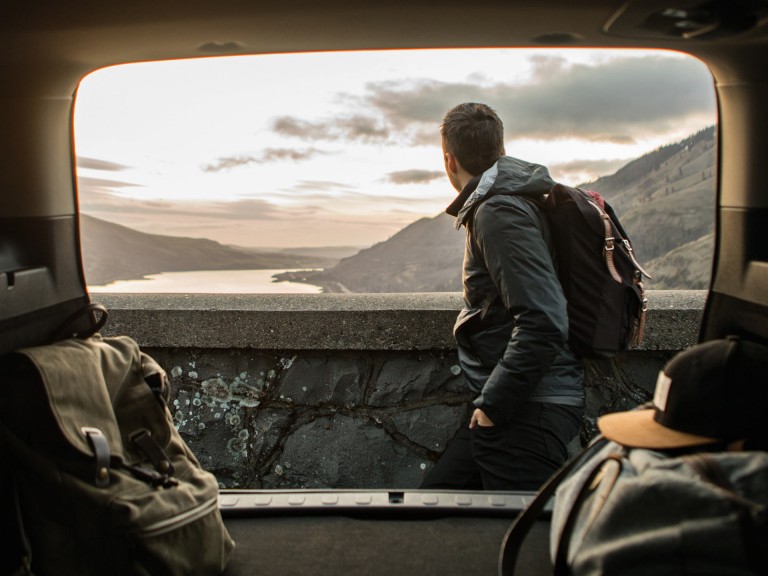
(665, 200)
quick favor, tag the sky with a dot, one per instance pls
(343, 149)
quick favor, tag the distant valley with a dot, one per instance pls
(665, 200)
(112, 252)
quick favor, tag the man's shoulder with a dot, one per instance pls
(507, 207)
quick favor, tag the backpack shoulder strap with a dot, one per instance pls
(517, 532)
(562, 546)
(614, 231)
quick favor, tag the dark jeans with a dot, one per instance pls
(517, 455)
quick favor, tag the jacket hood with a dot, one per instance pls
(507, 176)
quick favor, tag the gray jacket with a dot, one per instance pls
(513, 331)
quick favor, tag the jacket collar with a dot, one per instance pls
(508, 175)
(472, 193)
(455, 206)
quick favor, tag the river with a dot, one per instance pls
(210, 281)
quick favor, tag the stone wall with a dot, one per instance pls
(343, 391)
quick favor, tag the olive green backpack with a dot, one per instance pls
(102, 481)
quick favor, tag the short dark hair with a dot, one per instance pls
(474, 134)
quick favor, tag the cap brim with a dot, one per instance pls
(638, 429)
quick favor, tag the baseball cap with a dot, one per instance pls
(715, 391)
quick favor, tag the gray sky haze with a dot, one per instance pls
(330, 149)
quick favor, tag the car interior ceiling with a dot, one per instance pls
(48, 49)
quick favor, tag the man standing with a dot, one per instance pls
(512, 334)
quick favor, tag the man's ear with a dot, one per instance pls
(450, 163)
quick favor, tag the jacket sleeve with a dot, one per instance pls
(509, 235)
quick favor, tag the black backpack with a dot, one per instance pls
(602, 281)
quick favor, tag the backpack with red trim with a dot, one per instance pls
(601, 279)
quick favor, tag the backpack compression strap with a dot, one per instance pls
(516, 533)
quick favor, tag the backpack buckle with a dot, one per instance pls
(101, 452)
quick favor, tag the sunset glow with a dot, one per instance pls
(344, 148)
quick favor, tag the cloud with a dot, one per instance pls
(279, 154)
(414, 176)
(320, 185)
(356, 128)
(597, 166)
(104, 203)
(420, 101)
(363, 128)
(255, 222)
(249, 209)
(96, 184)
(95, 164)
(580, 171)
(545, 66)
(228, 162)
(268, 155)
(617, 101)
(349, 200)
(290, 126)
(99, 202)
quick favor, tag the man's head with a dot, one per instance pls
(474, 136)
